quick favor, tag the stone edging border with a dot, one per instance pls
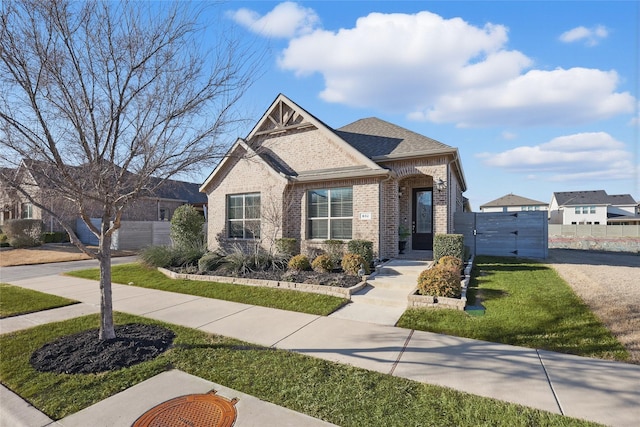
(304, 287)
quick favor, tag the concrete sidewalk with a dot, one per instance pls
(591, 389)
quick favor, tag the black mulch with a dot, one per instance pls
(84, 353)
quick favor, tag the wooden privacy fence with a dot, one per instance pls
(521, 234)
(131, 235)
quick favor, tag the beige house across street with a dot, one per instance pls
(295, 177)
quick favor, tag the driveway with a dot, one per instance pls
(609, 283)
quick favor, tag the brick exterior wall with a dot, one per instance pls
(306, 149)
(241, 176)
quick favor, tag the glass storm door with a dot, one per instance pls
(422, 236)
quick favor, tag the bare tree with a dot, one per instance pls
(106, 100)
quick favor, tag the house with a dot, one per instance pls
(591, 207)
(294, 176)
(513, 203)
(158, 205)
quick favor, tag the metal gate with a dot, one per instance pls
(521, 234)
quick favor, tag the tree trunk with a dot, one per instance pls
(107, 330)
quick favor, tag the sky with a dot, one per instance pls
(538, 96)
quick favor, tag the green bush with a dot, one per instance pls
(364, 248)
(448, 244)
(243, 260)
(352, 263)
(55, 237)
(439, 281)
(156, 256)
(287, 246)
(451, 262)
(187, 227)
(322, 263)
(299, 262)
(23, 233)
(335, 250)
(4, 238)
(210, 262)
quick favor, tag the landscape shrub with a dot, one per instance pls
(4, 240)
(187, 227)
(448, 244)
(335, 250)
(210, 261)
(23, 233)
(322, 264)
(439, 281)
(352, 263)
(156, 256)
(299, 262)
(451, 262)
(287, 246)
(364, 248)
(55, 237)
(243, 260)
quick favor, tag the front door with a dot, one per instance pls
(422, 230)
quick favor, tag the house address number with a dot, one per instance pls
(365, 216)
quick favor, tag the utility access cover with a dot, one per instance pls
(193, 410)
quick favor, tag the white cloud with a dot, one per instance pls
(582, 156)
(557, 97)
(591, 36)
(509, 135)
(286, 20)
(444, 71)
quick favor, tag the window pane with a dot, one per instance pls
(318, 204)
(252, 229)
(235, 229)
(341, 202)
(578, 210)
(318, 229)
(341, 229)
(252, 206)
(592, 209)
(235, 207)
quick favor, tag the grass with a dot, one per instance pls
(15, 301)
(284, 299)
(340, 394)
(527, 304)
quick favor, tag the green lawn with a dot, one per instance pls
(284, 299)
(15, 300)
(341, 394)
(527, 304)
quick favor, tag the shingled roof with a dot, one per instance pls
(594, 197)
(513, 200)
(376, 139)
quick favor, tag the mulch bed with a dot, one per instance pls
(84, 353)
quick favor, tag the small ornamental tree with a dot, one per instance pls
(187, 227)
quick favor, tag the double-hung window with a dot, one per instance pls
(330, 213)
(243, 216)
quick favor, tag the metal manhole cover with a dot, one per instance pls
(193, 410)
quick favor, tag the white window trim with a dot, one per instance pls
(243, 220)
(328, 218)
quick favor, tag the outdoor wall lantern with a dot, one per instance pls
(440, 184)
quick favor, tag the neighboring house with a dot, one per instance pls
(293, 176)
(513, 203)
(591, 207)
(158, 206)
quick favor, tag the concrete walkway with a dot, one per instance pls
(384, 299)
(591, 389)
